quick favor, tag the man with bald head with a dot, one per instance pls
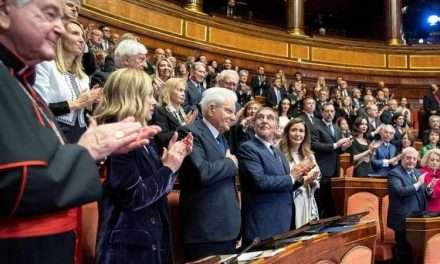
(408, 194)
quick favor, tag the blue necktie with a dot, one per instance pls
(221, 143)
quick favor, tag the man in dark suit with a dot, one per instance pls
(408, 194)
(373, 121)
(431, 106)
(259, 82)
(327, 145)
(266, 182)
(194, 89)
(388, 114)
(307, 114)
(275, 94)
(209, 203)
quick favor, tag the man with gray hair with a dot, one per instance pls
(385, 157)
(71, 9)
(130, 54)
(208, 199)
(408, 194)
(228, 79)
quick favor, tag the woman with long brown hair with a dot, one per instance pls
(295, 144)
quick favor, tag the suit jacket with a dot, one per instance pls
(266, 188)
(430, 104)
(257, 87)
(169, 124)
(381, 153)
(306, 119)
(134, 223)
(208, 199)
(372, 128)
(322, 144)
(387, 117)
(404, 198)
(271, 97)
(193, 95)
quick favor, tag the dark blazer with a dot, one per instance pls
(208, 199)
(322, 144)
(387, 117)
(169, 124)
(257, 87)
(306, 119)
(134, 224)
(271, 97)
(379, 155)
(404, 199)
(430, 104)
(193, 95)
(372, 128)
(237, 136)
(266, 188)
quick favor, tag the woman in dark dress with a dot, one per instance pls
(361, 150)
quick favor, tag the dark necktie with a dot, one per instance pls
(222, 144)
(413, 177)
(275, 154)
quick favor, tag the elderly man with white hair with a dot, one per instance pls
(211, 219)
(130, 53)
(385, 157)
(408, 196)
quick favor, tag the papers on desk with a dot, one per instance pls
(250, 256)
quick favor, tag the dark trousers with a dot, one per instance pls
(324, 199)
(195, 251)
(53, 249)
(402, 250)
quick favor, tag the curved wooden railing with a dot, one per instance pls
(164, 24)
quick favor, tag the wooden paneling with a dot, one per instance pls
(196, 31)
(248, 43)
(347, 57)
(397, 61)
(138, 15)
(424, 61)
(299, 52)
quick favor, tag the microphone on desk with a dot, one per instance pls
(234, 260)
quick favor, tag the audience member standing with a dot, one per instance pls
(431, 166)
(164, 71)
(327, 145)
(259, 82)
(408, 195)
(385, 157)
(295, 145)
(362, 149)
(134, 225)
(194, 88)
(209, 203)
(64, 86)
(266, 181)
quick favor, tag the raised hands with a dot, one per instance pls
(173, 156)
(119, 137)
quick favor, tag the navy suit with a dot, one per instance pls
(208, 200)
(381, 153)
(266, 191)
(193, 95)
(258, 88)
(304, 116)
(405, 200)
(271, 97)
(134, 224)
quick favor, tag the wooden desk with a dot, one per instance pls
(330, 248)
(424, 239)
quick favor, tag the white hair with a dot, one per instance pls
(217, 96)
(128, 47)
(22, 2)
(225, 74)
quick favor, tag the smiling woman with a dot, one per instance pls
(63, 84)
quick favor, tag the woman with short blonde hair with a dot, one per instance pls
(431, 167)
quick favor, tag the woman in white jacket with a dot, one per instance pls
(295, 144)
(64, 86)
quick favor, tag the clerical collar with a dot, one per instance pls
(16, 66)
